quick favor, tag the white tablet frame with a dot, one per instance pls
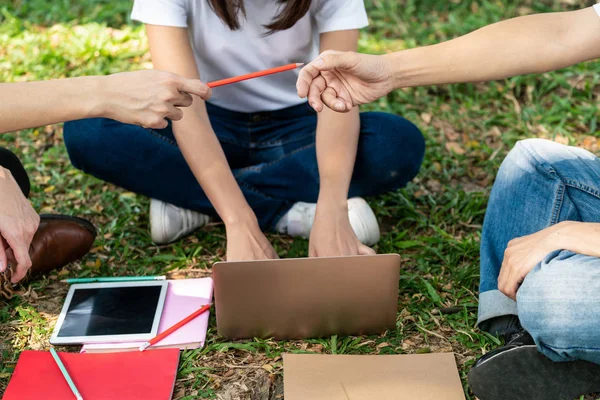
(136, 337)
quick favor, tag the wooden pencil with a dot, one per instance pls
(253, 75)
(172, 329)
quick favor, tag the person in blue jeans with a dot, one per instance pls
(272, 156)
(540, 245)
(540, 273)
(256, 155)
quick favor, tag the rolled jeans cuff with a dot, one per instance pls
(493, 304)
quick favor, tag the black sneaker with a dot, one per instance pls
(518, 371)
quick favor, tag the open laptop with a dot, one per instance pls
(307, 297)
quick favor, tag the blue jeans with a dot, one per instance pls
(272, 155)
(539, 184)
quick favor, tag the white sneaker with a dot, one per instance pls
(169, 223)
(300, 218)
(363, 221)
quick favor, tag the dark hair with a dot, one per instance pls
(291, 12)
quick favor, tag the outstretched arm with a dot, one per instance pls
(142, 98)
(530, 44)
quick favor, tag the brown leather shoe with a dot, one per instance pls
(59, 240)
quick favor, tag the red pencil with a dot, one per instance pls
(254, 75)
(172, 329)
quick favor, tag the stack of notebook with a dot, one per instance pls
(183, 298)
(121, 371)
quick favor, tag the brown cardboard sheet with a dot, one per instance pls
(371, 377)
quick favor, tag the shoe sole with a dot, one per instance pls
(523, 373)
(79, 221)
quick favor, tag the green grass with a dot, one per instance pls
(434, 223)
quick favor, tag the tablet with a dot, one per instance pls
(110, 312)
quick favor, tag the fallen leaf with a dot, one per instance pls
(524, 10)
(228, 373)
(267, 367)
(562, 140)
(515, 102)
(42, 180)
(96, 249)
(495, 132)
(407, 344)
(317, 348)
(454, 147)
(451, 135)
(473, 144)
(419, 193)
(426, 117)
(590, 143)
(433, 185)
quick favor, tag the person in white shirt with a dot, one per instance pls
(540, 244)
(256, 156)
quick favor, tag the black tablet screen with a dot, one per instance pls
(111, 311)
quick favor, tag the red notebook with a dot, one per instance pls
(148, 375)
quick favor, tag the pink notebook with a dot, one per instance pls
(184, 296)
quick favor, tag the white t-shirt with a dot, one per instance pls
(597, 8)
(223, 53)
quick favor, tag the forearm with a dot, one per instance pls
(337, 143)
(529, 44)
(171, 51)
(337, 135)
(578, 237)
(33, 104)
(206, 159)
